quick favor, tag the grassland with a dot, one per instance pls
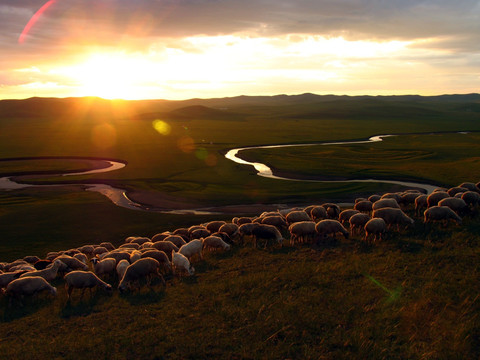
(414, 296)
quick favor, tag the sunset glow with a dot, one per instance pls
(144, 50)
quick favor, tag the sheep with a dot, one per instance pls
(241, 220)
(345, 215)
(276, 220)
(31, 259)
(100, 250)
(165, 246)
(108, 245)
(435, 197)
(8, 277)
(42, 264)
(183, 232)
(116, 254)
(133, 246)
(25, 267)
(104, 267)
(15, 263)
(330, 226)
(456, 204)
(442, 214)
(121, 268)
(82, 257)
(49, 274)
(181, 262)
(72, 263)
(408, 198)
(79, 279)
(193, 228)
(145, 267)
(246, 230)
(192, 248)
(214, 226)
(199, 233)
(297, 216)
(393, 216)
(420, 203)
(374, 197)
(376, 227)
(364, 206)
(456, 190)
(470, 186)
(395, 196)
(266, 232)
(318, 213)
(139, 240)
(302, 231)
(385, 202)
(230, 228)
(160, 236)
(28, 286)
(357, 222)
(161, 257)
(214, 242)
(86, 249)
(135, 255)
(176, 239)
(333, 210)
(472, 198)
(357, 200)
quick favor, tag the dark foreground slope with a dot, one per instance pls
(414, 296)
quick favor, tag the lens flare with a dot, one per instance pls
(186, 144)
(162, 127)
(33, 20)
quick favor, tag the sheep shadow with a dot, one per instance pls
(80, 306)
(17, 310)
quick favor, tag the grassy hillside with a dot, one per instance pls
(413, 296)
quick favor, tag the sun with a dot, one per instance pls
(111, 76)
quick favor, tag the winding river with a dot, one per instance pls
(119, 196)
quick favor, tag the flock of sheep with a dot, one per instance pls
(140, 259)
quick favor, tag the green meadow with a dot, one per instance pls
(414, 296)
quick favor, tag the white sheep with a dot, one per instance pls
(214, 226)
(121, 268)
(303, 231)
(297, 216)
(384, 203)
(456, 204)
(181, 262)
(435, 197)
(82, 280)
(140, 269)
(214, 242)
(178, 240)
(229, 228)
(49, 273)
(28, 286)
(104, 267)
(376, 227)
(192, 248)
(357, 222)
(161, 257)
(276, 220)
(72, 263)
(345, 215)
(393, 216)
(166, 246)
(330, 226)
(441, 214)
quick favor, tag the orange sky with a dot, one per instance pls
(208, 48)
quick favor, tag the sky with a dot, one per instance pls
(182, 49)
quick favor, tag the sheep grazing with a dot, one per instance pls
(166, 246)
(376, 227)
(384, 203)
(199, 233)
(8, 277)
(246, 230)
(303, 231)
(160, 236)
(121, 268)
(470, 186)
(345, 215)
(365, 206)
(28, 286)
(266, 232)
(49, 274)
(373, 198)
(178, 240)
(458, 205)
(104, 267)
(276, 220)
(297, 216)
(472, 198)
(420, 204)
(318, 213)
(456, 190)
(408, 198)
(139, 240)
(435, 197)
(100, 250)
(181, 262)
(82, 257)
(333, 210)
(116, 254)
(390, 195)
(441, 214)
(108, 245)
(229, 228)
(82, 280)
(192, 248)
(330, 227)
(161, 257)
(72, 263)
(183, 232)
(214, 243)
(140, 269)
(241, 220)
(135, 255)
(393, 216)
(214, 226)
(357, 222)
